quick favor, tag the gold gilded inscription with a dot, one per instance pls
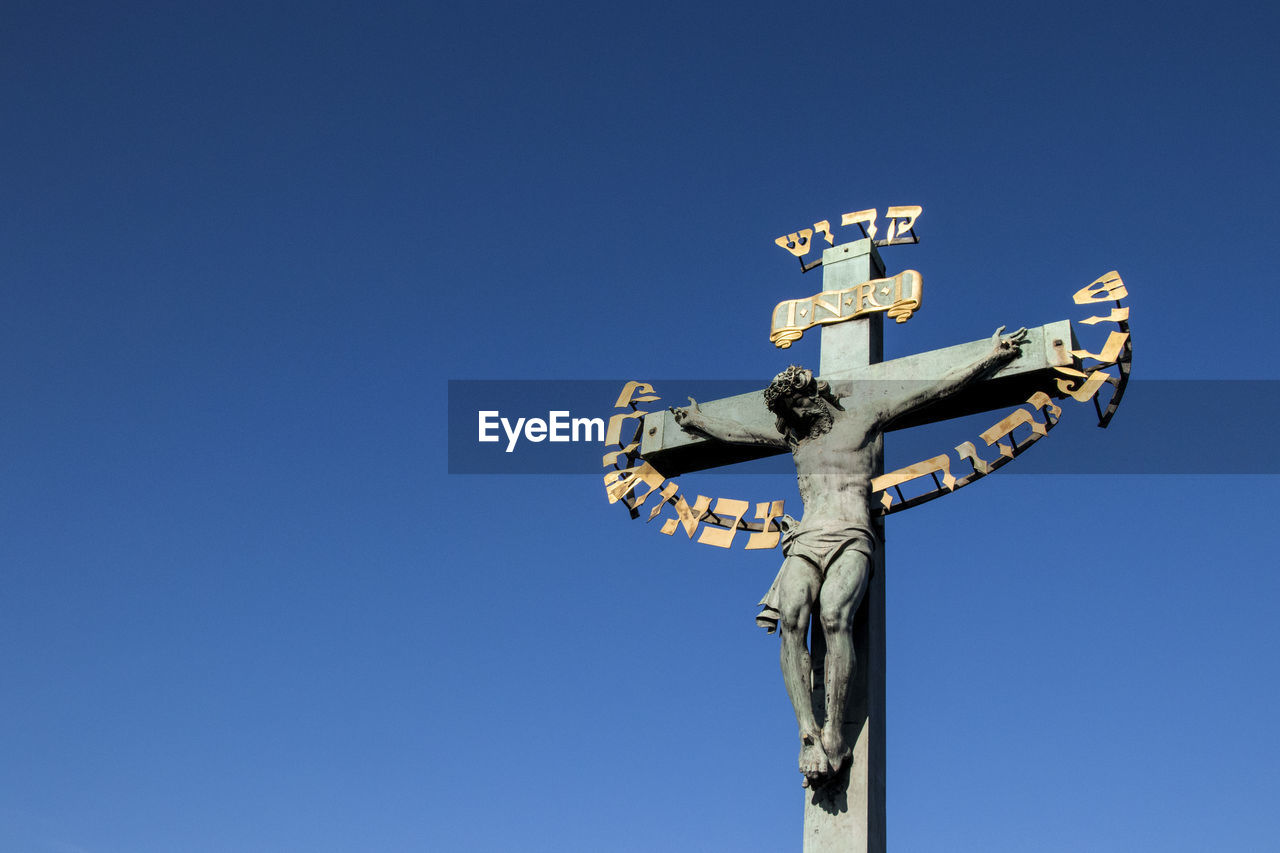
(899, 297)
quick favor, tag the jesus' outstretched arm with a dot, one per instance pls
(692, 419)
(1003, 351)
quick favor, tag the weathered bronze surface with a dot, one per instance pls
(827, 557)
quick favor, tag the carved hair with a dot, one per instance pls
(788, 381)
(793, 380)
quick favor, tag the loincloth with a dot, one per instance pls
(820, 544)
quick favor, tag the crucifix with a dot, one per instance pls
(828, 597)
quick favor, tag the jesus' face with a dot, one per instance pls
(803, 401)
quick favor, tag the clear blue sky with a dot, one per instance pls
(243, 605)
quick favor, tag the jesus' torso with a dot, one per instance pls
(834, 469)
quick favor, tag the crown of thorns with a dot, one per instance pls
(789, 381)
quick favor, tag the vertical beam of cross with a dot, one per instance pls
(848, 814)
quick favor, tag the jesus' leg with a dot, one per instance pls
(798, 589)
(842, 591)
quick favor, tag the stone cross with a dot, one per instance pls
(848, 814)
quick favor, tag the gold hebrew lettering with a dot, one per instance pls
(612, 457)
(1041, 402)
(908, 212)
(797, 244)
(1110, 351)
(867, 216)
(968, 452)
(824, 228)
(886, 481)
(618, 483)
(1008, 424)
(628, 395)
(1087, 388)
(1117, 315)
(614, 433)
(725, 508)
(667, 493)
(686, 517)
(766, 538)
(1105, 288)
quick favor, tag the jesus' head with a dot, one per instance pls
(801, 403)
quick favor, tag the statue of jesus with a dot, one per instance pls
(828, 556)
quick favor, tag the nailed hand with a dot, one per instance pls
(1008, 346)
(687, 416)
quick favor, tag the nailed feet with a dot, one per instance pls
(813, 761)
(823, 756)
(837, 751)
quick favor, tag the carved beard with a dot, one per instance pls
(812, 424)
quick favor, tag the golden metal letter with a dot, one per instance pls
(981, 467)
(724, 507)
(628, 394)
(766, 538)
(612, 458)
(867, 216)
(1087, 388)
(1104, 288)
(1042, 402)
(884, 482)
(618, 483)
(1110, 351)
(1007, 425)
(824, 228)
(668, 492)
(1117, 315)
(797, 244)
(835, 310)
(614, 433)
(910, 212)
(686, 517)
